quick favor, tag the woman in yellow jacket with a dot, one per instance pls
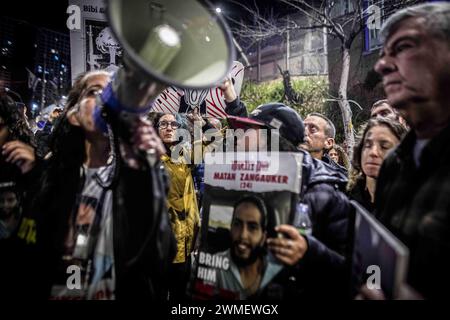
(181, 203)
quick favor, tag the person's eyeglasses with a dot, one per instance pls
(165, 124)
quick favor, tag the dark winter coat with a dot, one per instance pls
(414, 203)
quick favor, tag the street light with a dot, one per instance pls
(219, 10)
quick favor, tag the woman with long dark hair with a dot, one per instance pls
(377, 138)
(18, 173)
(93, 212)
(17, 159)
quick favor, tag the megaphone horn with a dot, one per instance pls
(166, 42)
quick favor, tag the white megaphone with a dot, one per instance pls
(165, 42)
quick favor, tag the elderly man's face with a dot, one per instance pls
(415, 67)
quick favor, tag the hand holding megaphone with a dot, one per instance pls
(144, 139)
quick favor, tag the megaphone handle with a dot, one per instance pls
(151, 157)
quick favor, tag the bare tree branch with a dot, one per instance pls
(312, 10)
(329, 19)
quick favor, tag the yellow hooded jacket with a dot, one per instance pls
(182, 207)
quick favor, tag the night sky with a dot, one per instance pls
(41, 13)
(52, 14)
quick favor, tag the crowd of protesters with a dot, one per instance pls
(78, 194)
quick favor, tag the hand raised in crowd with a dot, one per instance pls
(289, 249)
(228, 90)
(20, 154)
(144, 138)
(195, 116)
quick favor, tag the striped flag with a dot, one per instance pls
(169, 100)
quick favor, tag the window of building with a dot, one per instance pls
(372, 34)
(341, 7)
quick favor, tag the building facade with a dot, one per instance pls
(364, 85)
(303, 52)
(34, 63)
(52, 67)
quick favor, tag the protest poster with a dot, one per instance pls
(93, 46)
(378, 255)
(254, 192)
